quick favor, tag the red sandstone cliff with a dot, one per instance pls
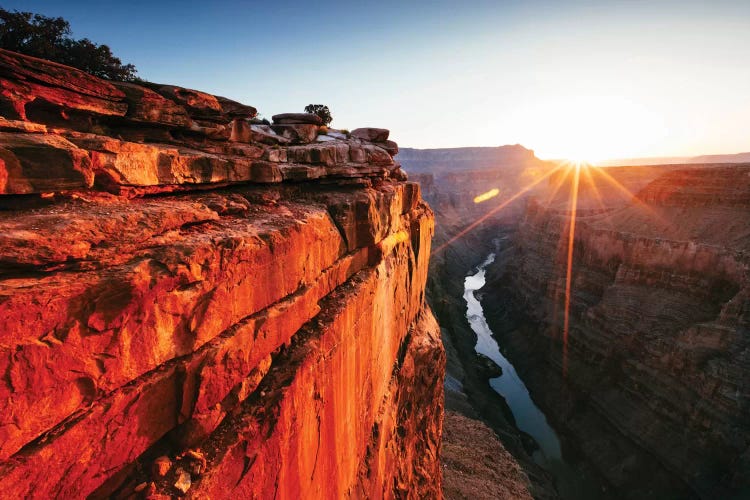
(195, 304)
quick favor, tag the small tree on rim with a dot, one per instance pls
(321, 110)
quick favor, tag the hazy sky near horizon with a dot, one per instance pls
(581, 79)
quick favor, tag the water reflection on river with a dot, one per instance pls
(529, 418)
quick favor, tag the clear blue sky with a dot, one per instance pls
(585, 79)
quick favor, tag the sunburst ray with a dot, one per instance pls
(494, 210)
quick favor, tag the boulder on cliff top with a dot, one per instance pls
(389, 146)
(297, 118)
(145, 105)
(371, 134)
(298, 132)
(234, 109)
(44, 91)
(198, 104)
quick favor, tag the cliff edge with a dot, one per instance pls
(193, 303)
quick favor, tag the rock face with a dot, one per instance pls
(189, 306)
(658, 347)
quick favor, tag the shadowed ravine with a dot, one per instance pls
(529, 418)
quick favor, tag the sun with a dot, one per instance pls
(591, 129)
(580, 161)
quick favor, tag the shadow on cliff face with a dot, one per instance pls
(519, 309)
(655, 383)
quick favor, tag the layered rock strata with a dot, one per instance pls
(657, 354)
(196, 304)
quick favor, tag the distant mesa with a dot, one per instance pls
(467, 158)
(678, 160)
(728, 158)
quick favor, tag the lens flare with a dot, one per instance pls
(496, 209)
(569, 268)
(486, 196)
(570, 175)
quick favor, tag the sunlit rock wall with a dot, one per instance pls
(195, 303)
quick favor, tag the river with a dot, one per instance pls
(570, 481)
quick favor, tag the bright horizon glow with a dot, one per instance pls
(571, 174)
(586, 130)
(606, 80)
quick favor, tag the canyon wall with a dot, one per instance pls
(193, 303)
(465, 232)
(653, 382)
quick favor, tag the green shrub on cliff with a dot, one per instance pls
(321, 110)
(49, 38)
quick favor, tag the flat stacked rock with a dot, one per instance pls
(297, 118)
(66, 130)
(371, 134)
(378, 136)
(298, 127)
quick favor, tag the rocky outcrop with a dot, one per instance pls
(657, 354)
(477, 465)
(124, 137)
(194, 304)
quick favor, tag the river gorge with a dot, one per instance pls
(571, 481)
(648, 395)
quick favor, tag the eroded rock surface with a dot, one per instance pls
(192, 305)
(477, 465)
(155, 138)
